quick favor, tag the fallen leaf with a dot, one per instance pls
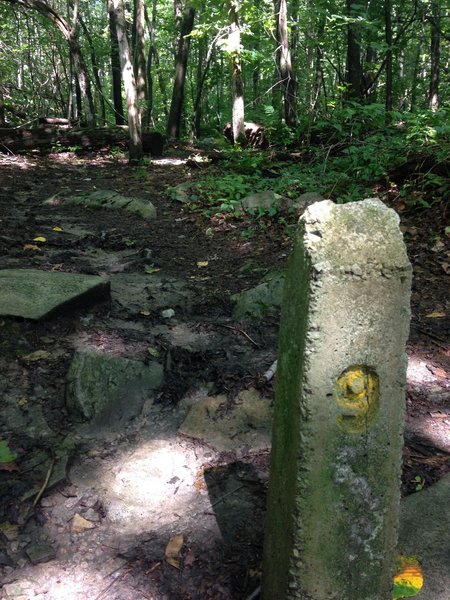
(408, 580)
(436, 314)
(153, 351)
(57, 228)
(202, 263)
(150, 270)
(145, 313)
(32, 247)
(35, 356)
(39, 238)
(173, 550)
(80, 524)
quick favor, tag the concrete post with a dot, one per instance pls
(334, 490)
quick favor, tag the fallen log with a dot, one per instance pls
(44, 138)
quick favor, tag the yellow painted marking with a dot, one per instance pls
(357, 394)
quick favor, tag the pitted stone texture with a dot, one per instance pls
(337, 433)
(36, 295)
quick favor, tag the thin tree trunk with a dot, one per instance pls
(134, 117)
(435, 55)
(95, 70)
(237, 83)
(354, 74)
(153, 51)
(284, 65)
(176, 106)
(115, 66)
(139, 61)
(388, 39)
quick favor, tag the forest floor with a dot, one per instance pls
(198, 532)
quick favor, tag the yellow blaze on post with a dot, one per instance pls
(357, 394)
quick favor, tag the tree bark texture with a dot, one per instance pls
(115, 67)
(284, 64)
(134, 117)
(176, 106)
(139, 60)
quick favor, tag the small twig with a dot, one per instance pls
(109, 586)
(242, 332)
(152, 568)
(254, 594)
(226, 495)
(45, 484)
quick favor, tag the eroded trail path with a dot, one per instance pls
(157, 490)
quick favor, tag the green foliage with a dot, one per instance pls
(6, 455)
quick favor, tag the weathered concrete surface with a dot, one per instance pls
(106, 390)
(111, 199)
(424, 533)
(261, 300)
(337, 435)
(34, 294)
(247, 423)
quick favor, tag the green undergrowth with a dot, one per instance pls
(347, 155)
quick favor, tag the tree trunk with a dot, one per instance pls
(354, 74)
(139, 61)
(96, 71)
(435, 55)
(115, 67)
(388, 39)
(201, 68)
(176, 106)
(284, 65)
(134, 116)
(237, 83)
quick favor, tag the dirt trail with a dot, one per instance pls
(137, 510)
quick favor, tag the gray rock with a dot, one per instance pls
(261, 201)
(105, 390)
(247, 423)
(34, 294)
(180, 192)
(40, 553)
(258, 302)
(113, 200)
(424, 527)
(304, 200)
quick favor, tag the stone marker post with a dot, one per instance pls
(334, 488)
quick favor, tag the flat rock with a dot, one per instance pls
(113, 200)
(261, 201)
(246, 424)
(36, 295)
(424, 527)
(104, 389)
(261, 300)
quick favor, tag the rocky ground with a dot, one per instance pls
(163, 499)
